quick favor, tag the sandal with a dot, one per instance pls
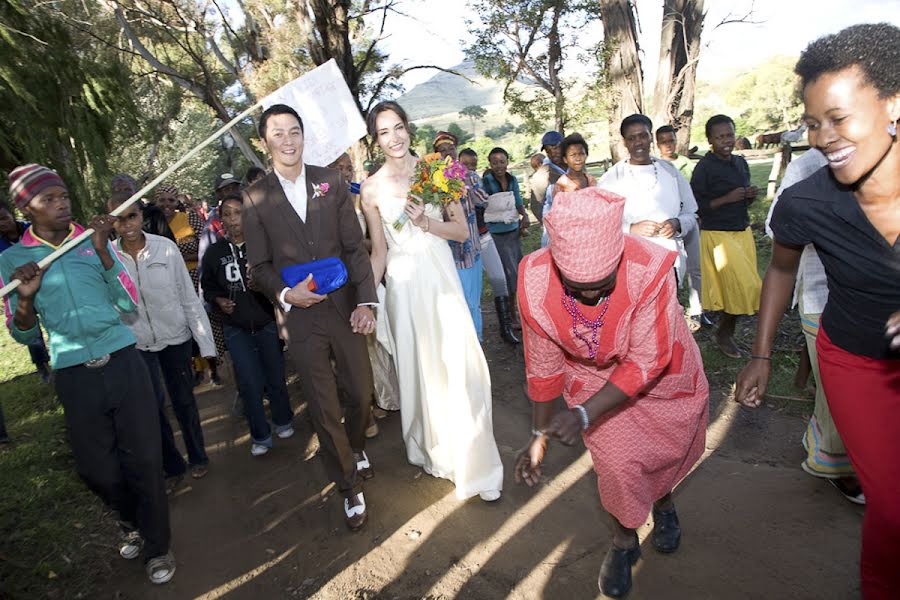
(728, 348)
(161, 569)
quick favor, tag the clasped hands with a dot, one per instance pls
(667, 229)
(744, 193)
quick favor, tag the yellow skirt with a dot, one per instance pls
(730, 281)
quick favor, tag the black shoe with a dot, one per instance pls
(44, 371)
(666, 531)
(172, 483)
(615, 572)
(504, 315)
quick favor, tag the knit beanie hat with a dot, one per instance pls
(28, 181)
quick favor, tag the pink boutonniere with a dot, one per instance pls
(320, 189)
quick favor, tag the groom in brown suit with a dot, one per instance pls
(297, 214)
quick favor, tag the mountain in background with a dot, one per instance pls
(447, 93)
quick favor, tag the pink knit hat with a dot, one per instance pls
(585, 231)
(28, 181)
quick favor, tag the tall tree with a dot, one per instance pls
(765, 98)
(518, 39)
(179, 40)
(61, 99)
(621, 68)
(676, 77)
(473, 113)
(337, 29)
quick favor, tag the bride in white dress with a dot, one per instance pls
(445, 385)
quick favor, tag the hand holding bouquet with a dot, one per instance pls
(436, 181)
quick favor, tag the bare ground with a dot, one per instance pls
(755, 525)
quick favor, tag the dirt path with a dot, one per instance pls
(755, 526)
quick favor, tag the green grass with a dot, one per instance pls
(55, 539)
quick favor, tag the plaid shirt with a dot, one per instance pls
(466, 253)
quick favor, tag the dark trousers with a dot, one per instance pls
(113, 427)
(38, 352)
(331, 336)
(175, 364)
(509, 246)
(172, 461)
(259, 362)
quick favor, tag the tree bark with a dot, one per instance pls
(554, 64)
(676, 78)
(625, 78)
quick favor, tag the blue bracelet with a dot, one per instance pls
(582, 412)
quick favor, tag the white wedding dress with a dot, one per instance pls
(445, 385)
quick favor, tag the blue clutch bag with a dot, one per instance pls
(328, 274)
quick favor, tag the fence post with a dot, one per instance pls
(779, 164)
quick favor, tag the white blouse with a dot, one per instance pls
(655, 192)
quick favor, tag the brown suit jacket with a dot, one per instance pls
(276, 238)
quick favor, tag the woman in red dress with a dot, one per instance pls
(603, 329)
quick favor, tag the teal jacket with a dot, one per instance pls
(79, 302)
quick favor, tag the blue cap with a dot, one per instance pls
(551, 138)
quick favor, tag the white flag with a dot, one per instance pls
(331, 121)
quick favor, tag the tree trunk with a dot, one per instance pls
(679, 52)
(625, 78)
(327, 29)
(554, 64)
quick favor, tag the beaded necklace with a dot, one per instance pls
(578, 318)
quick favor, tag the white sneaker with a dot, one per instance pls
(490, 495)
(130, 546)
(161, 569)
(286, 433)
(258, 449)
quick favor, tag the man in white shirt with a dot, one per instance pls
(297, 214)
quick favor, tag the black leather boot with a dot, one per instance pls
(505, 318)
(615, 572)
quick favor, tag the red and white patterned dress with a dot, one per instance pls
(649, 443)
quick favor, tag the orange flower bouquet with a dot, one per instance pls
(436, 181)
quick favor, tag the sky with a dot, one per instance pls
(435, 32)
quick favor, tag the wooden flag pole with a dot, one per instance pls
(48, 260)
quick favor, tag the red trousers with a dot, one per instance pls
(864, 398)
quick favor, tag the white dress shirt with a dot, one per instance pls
(295, 191)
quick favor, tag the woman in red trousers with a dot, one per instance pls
(850, 212)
